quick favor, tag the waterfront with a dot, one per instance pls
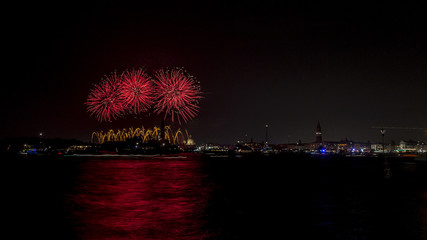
(191, 196)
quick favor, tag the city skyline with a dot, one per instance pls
(319, 136)
(288, 65)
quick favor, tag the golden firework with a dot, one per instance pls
(146, 134)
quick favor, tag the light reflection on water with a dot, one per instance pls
(139, 199)
(198, 198)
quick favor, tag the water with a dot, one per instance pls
(215, 198)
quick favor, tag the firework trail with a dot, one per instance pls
(104, 100)
(177, 94)
(136, 91)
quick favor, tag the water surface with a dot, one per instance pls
(195, 197)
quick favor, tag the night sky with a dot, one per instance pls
(288, 65)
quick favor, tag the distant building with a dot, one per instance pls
(190, 142)
(319, 140)
(407, 146)
(342, 146)
(347, 146)
(296, 147)
(411, 146)
(378, 147)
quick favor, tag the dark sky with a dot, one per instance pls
(284, 64)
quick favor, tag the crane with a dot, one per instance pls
(406, 128)
(400, 128)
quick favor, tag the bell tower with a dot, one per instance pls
(318, 133)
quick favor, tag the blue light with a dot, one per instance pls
(32, 151)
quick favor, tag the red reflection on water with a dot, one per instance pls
(125, 199)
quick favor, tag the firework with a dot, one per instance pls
(177, 94)
(136, 91)
(145, 134)
(104, 100)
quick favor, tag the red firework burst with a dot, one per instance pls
(104, 100)
(177, 94)
(136, 91)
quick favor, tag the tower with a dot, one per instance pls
(318, 133)
(266, 135)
